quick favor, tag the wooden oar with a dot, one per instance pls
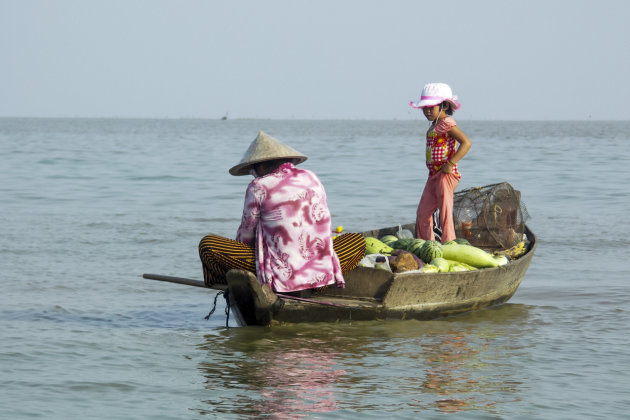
(182, 280)
(223, 287)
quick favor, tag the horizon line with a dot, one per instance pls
(301, 119)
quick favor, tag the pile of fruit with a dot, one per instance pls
(432, 256)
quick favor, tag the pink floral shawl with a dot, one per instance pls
(286, 219)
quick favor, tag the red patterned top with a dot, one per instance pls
(440, 146)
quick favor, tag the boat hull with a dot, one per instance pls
(374, 294)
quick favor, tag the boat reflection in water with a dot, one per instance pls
(298, 381)
(406, 368)
(276, 376)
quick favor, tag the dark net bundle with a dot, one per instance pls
(490, 217)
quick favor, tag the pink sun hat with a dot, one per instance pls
(434, 94)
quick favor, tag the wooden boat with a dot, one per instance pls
(373, 294)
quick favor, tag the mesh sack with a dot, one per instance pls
(490, 217)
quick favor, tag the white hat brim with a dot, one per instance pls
(432, 102)
(425, 102)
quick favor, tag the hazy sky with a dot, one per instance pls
(358, 59)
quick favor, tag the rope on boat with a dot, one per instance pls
(226, 295)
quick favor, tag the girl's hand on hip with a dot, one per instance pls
(447, 168)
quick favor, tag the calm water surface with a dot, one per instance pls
(90, 205)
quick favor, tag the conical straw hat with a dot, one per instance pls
(263, 148)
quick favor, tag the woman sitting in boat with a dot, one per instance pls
(285, 236)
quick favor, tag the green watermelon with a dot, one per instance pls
(388, 239)
(429, 251)
(415, 246)
(401, 243)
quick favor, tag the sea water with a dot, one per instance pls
(89, 205)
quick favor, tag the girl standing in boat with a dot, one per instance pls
(285, 236)
(442, 155)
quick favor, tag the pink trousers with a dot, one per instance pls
(437, 194)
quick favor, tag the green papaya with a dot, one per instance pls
(374, 246)
(469, 254)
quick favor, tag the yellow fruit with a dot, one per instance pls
(516, 251)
